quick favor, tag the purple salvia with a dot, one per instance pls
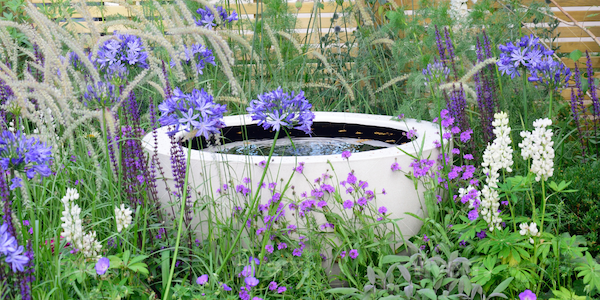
(6, 202)
(168, 89)
(593, 92)
(440, 44)
(178, 167)
(111, 151)
(576, 110)
(27, 277)
(450, 49)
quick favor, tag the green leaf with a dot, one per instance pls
(503, 285)
(575, 55)
(343, 291)
(139, 268)
(126, 255)
(429, 293)
(138, 258)
(115, 262)
(392, 259)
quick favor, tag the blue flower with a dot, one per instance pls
(207, 19)
(528, 54)
(20, 153)
(200, 54)
(102, 265)
(195, 111)
(202, 279)
(17, 260)
(123, 50)
(277, 109)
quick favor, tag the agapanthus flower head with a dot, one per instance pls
(527, 54)
(436, 73)
(123, 50)
(200, 54)
(29, 155)
(277, 109)
(207, 18)
(196, 111)
(100, 94)
(11, 249)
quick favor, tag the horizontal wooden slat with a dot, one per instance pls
(568, 47)
(575, 31)
(580, 16)
(566, 3)
(582, 62)
(307, 7)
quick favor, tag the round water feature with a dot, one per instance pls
(211, 169)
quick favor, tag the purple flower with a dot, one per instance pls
(346, 154)
(297, 252)
(29, 155)
(425, 238)
(225, 287)
(435, 73)
(262, 164)
(421, 167)
(382, 210)
(196, 111)
(343, 254)
(411, 134)
(281, 246)
(300, 167)
(353, 253)
(362, 201)
(281, 289)
(348, 204)
(102, 265)
(251, 281)
(202, 279)
(269, 248)
(207, 18)
(351, 178)
(277, 109)
(463, 243)
(481, 235)
(468, 156)
(473, 215)
(527, 295)
(272, 285)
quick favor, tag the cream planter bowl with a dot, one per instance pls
(210, 170)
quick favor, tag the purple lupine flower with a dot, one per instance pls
(29, 155)
(353, 253)
(277, 109)
(202, 279)
(194, 111)
(207, 18)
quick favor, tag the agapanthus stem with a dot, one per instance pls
(252, 206)
(525, 99)
(550, 108)
(181, 214)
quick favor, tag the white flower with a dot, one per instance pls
(497, 156)
(123, 217)
(529, 230)
(537, 145)
(73, 227)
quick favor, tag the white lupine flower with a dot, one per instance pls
(123, 217)
(537, 145)
(529, 230)
(497, 156)
(73, 227)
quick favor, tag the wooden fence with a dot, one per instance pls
(569, 37)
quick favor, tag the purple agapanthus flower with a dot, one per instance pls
(200, 54)
(194, 111)
(116, 55)
(277, 109)
(207, 18)
(528, 54)
(100, 94)
(29, 155)
(436, 73)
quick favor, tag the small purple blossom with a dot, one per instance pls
(202, 279)
(527, 295)
(346, 154)
(297, 252)
(272, 285)
(281, 289)
(348, 204)
(353, 253)
(102, 265)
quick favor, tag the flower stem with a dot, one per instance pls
(524, 99)
(252, 206)
(181, 214)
